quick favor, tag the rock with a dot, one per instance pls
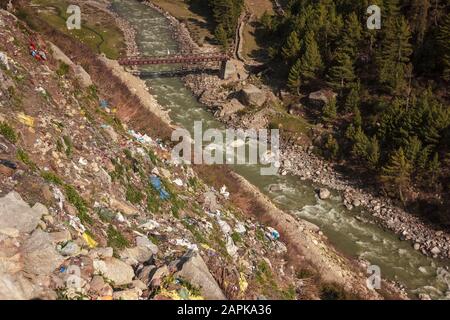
(123, 207)
(435, 251)
(16, 213)
(131, 294)
(356, 203)
(321, 98)
(17, 287)
(70, 249)
(115, 270)
(231, 107)
(61, 236)
(416, 246)
(99, 287)
(146, 274)
(39, 254)
(136, 255)
(193, 269)
(158, 275)
(253, 96)
(324, 193)
(146, 243)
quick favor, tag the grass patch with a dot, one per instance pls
(78, 202)
(8, 132)
(69, 145)
(116, 240)
(63, 69)
(134, 195)
(23, 156)
(51, 177)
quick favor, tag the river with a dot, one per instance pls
(397, 259)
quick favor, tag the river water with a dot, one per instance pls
(397, 259)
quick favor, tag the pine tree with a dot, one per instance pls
(311, 60)
(396, 174)
(352, 100)
(329, 111)
(331, 147)
(434, 170)
(294, 78)
(444, 46)
(394, 57)
(222, 37)
(373, 153)
(341, 74)
(351, 36)
(291, 49)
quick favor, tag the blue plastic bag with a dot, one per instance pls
(156, 183)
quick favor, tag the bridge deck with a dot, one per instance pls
(173, 59)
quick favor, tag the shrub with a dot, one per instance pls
(8, 132)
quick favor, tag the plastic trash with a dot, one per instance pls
(26, 120)
(156, 183)
(178, 182)
(274, 234)
(76, 224)
(187, 244)
(90, 242)
(224, 192)
(240, 228)
(8, 164)
(104, 103)
(232, 249)
(150, 225)
(225, 227)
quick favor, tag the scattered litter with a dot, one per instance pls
(76, 224)
(240, 228)
(59, 197)
(150, 225)
(273, 234)
(243, 284)
(26, 120)
(156, 183)
(224, 192)
(91, 242)
(232, 249)
(4, 60)
(8, 164)
(83, 162)
(225, 227)
(119, 217)
(178, 182)
(41, 90)
(104, 104)
(144, 139)
(187, 244)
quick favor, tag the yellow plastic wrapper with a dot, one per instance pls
(243, 284)
(26, 120)
(91, 242)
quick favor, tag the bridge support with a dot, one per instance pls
(227, 69)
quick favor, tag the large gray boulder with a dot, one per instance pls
(253, 96)
(193, 269)
(39, 254)
(115, 270)
(16, 213)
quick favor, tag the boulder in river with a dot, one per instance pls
(324, 193)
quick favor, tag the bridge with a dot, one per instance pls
(174, 59)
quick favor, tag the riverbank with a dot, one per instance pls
(303, 163)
